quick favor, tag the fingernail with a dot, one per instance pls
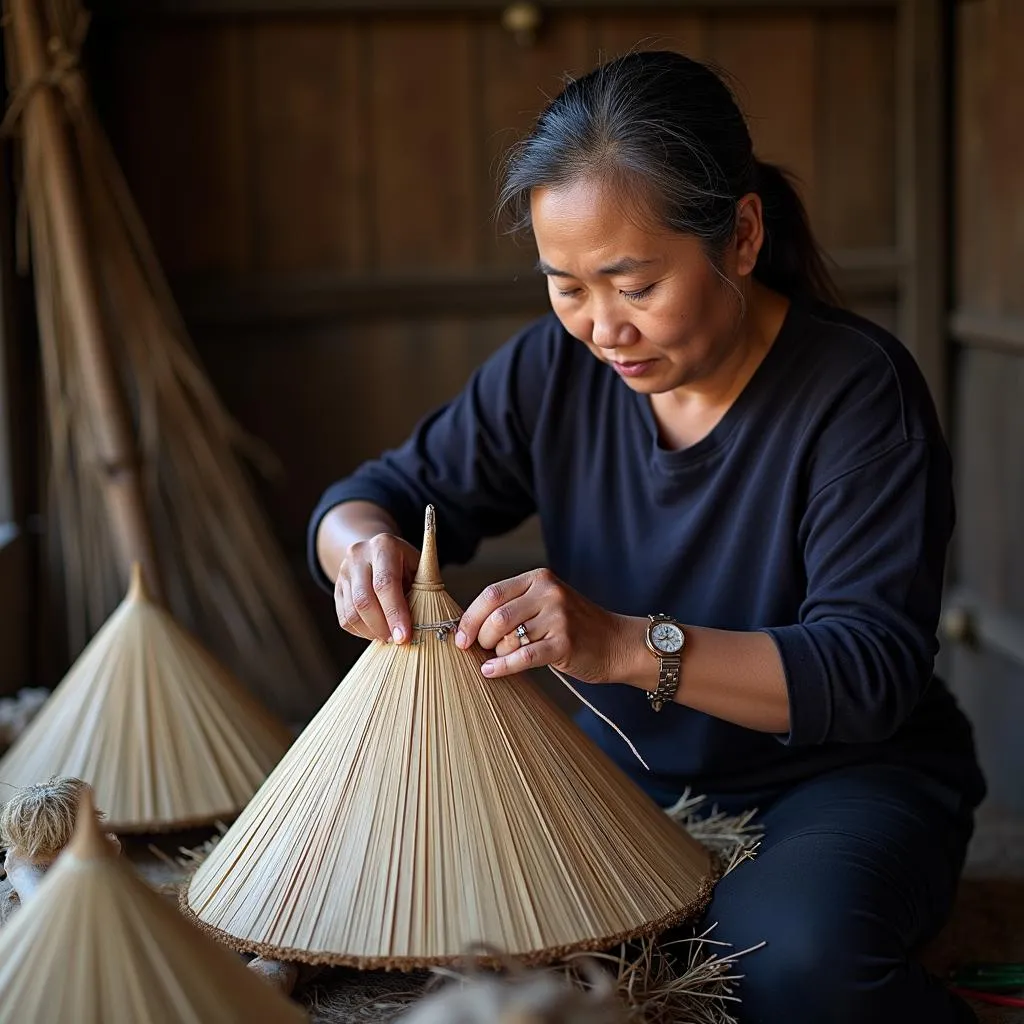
(487, 668)
(460, 639)
(398, 634)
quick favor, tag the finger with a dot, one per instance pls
(533, 655)
(348, 617)
(489, 600)
(504, 620)
(388, 586)
(366, 604)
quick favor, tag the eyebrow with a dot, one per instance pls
(627, 265)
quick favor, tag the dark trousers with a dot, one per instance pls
(857, 869)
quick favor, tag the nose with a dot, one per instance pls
(611, 331)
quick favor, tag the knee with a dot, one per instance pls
(815, 966)
(802, 976)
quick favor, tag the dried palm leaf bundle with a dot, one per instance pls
(426, 809)
(163, 733)
(98, 946)
(145, 463)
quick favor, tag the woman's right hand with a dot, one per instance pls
(369, 593)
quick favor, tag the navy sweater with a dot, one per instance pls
(818, 510)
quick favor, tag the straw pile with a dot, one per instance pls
(426, 809)
(144, 460)
(164, 734)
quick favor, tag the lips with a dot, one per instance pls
(634, 368)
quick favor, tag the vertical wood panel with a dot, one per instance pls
(179, 121)
(977, 103)
(426, 194)
(515, 83)
(1008, 156)
(856, 131)
(618, 33)
(308, 146)
(990, 192)
(773, 59)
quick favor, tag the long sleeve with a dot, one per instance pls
(471, 457)
(874, 542)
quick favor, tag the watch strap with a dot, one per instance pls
(668, 681)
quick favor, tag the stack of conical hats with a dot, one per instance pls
(165, 735)
(97, 946)
(426, 809)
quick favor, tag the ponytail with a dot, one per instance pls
(790, 260)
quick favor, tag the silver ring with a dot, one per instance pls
(524, 638)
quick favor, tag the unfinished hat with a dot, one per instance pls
(426, 809)
(99, 946)
(165, 735)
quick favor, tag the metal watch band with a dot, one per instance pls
(668, 683)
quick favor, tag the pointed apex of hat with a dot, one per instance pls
(428, 574)
(137, 590)
(88, 842)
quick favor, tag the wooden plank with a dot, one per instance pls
(856, 143)
(308, 146)
(514, 83)
(163, 8)
(772, 61)
(177, 120)
(426, 202)
(920, 154)
(988, 688)
(618, 33)
(990, 478)
(868, 276)
(988, 330)
(1006, 151)
(977, 99)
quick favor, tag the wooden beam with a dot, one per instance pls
(208, 302)
(921, 184)
(172, 8)
(988, 330)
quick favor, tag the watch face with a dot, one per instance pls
(667, 637)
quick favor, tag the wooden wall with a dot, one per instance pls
(320, 190)
(988, 326)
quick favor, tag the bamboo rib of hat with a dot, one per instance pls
(165, 735)
(426, 809)
(96, 945)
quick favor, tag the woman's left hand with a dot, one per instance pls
(563, 628)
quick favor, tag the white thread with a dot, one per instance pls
(604, 718)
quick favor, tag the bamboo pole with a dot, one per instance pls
(45, 132)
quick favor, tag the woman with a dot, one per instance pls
(746, 502)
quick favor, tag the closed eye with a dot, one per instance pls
(641, 294)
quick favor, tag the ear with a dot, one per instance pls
(749, 233)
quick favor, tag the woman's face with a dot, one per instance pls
(645, 300)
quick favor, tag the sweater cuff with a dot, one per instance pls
(810, 700)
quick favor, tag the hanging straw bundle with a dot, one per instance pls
(98, 946)
(426, 809)
(144, 459)
(167, 738)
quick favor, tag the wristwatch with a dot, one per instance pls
(665, 640)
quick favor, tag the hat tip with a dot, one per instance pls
(428, 573)
(137, 583)
(88, 842)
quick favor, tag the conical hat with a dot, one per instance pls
(96, 945)
(426, 809)
(165, 735)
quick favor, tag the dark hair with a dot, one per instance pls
(667, 129)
